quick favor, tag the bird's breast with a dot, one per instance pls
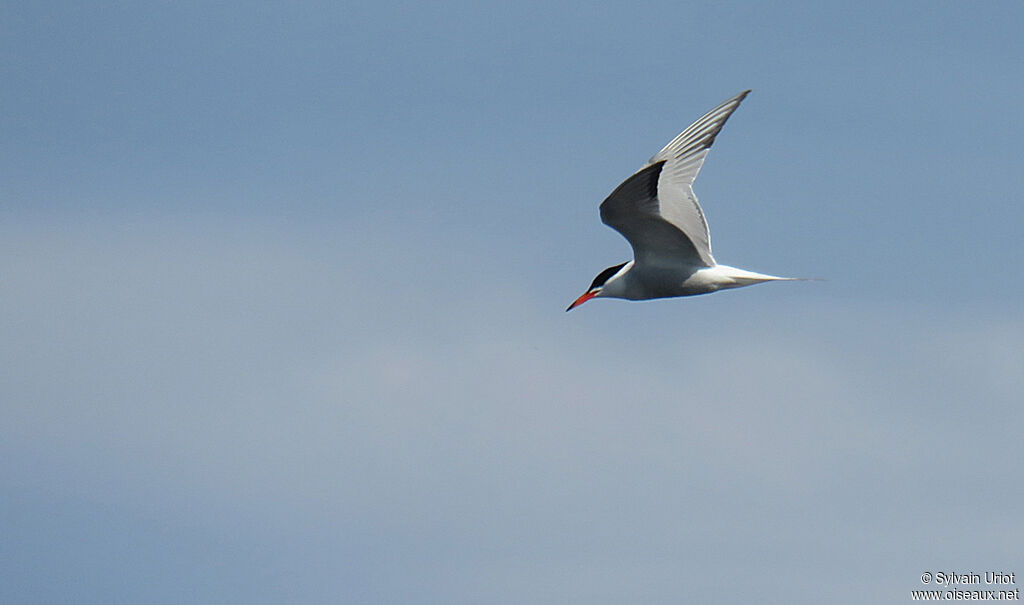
(654, 282)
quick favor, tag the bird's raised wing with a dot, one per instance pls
(656, 209)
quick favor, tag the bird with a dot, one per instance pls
(658, 213)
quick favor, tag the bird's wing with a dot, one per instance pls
(656, 209)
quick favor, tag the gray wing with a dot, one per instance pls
(656, 209)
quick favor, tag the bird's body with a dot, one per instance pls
(657, 211)
(647, 282)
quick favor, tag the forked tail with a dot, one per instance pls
(742, 277)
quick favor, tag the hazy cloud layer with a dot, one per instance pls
(232, 400)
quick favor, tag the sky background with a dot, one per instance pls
(282, 292)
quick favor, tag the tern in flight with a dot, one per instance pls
(657, 211)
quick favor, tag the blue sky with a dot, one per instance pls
(283, 293)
